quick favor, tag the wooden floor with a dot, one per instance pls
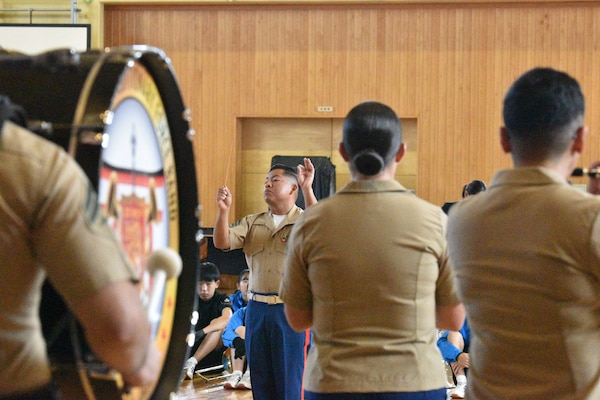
(212, 389)
(197, 389)
(105, 389)
(208, 388)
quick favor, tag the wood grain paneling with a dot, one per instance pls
(445, 65)
(263, 138)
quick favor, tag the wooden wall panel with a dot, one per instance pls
(262, 138)
(445, 65)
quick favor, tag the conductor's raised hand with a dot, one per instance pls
(306, 174)
(224, 198)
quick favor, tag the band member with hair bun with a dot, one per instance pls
(367, 270)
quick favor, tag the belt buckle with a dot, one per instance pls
(271, 300)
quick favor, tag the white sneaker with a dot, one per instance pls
(244, 383)
(189, 367)
(232, 381)
(459, 391)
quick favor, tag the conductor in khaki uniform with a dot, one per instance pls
(275, 351)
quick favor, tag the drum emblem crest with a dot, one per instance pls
(133, 213)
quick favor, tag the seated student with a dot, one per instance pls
(239, 298)
(214, 310)
(235, 333)
(471, 188)
(474, 187)
(234, 338)
(454, 346)
(446, 206)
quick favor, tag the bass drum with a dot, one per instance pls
(119, 113)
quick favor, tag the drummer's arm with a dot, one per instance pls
(221, 229)
(118, 332)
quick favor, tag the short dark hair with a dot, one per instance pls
(464, 191)
(287, 170)
(474, 187)
(208, 272)
(372, 135)
(541, 110)
(243, 273)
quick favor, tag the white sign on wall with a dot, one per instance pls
(33, 39)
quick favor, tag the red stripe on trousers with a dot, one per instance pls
(306, 343)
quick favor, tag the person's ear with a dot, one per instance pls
(343, 152)
(294, 188)
(504, 140)
(217, 283)
(401, 152)
(579, 139)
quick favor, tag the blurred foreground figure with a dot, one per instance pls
(51, 226)
(527, 254)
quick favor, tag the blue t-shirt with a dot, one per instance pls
(237, 319)
(449, 351)
(237, 300)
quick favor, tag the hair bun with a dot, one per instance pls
(368, 162)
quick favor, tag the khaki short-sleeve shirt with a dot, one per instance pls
(264, 247)
(371, 263)
(50, 225)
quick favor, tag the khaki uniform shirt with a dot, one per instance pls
(264, 247)
(371, 263)
(527, 258)
(50, 224)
